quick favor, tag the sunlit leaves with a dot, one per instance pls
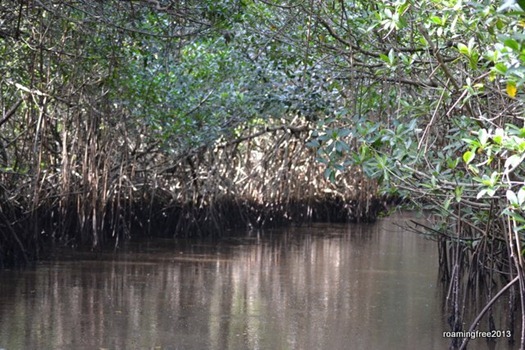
(500, 68)
(471, 52)
(389, 59)
(498, 136)
(512, 162)
(463, 49)
(521, 196)
(393, 19)
(490, 184)
(512, 198)
(483, 137)
(468, 156)
(508, 146)
(512, 44)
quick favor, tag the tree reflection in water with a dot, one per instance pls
(322, 287)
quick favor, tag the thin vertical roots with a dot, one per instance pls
(479, 272)
(100, 193)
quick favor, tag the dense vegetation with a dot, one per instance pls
(127, 117)
(132, 118)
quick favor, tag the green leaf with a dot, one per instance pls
(491, 192)
(474, 169)
(512, 162)
(481, 193)
(517, 217)
(452, 163)
(500, 68)
(471, 142)
(458, 192)
(512, 198)
(391, 56)
(483, 137)
(344, 132)
(446, 205)
(437, 20)
(513, 44)
(341, 146)
(521, 196)
(498, 136)
(468, 156)
(463, 49)
(313, 144)
(328, 173)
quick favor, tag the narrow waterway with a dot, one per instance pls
(321, 287)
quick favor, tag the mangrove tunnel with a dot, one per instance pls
(136, 119)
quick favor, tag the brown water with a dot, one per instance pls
(322, 287)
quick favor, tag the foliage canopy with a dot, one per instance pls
(424, 97)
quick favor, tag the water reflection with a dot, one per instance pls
(327, 287)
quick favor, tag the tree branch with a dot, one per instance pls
(10, 112)
(440, 59)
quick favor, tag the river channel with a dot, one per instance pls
(321, 287)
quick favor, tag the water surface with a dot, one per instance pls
(321, 287)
